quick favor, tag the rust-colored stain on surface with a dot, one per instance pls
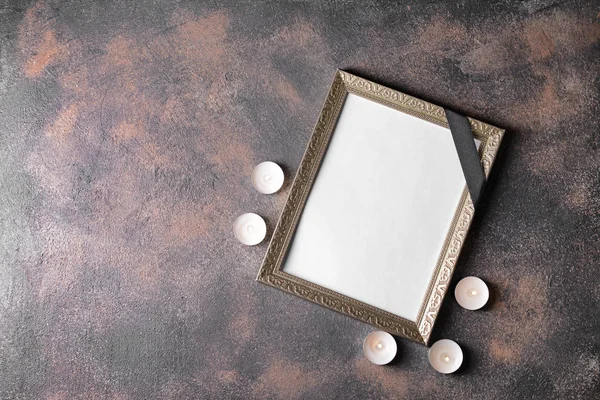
(129, 132)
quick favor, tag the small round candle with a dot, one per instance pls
(445, 356)
(250, 229)
(267, 177)
(471, 293)
(380, 347)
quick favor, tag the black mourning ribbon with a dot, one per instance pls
(467, 153)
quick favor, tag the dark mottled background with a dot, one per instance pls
(128, 133)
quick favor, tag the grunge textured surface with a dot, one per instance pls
(128, 131)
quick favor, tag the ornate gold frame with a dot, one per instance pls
(271, 274)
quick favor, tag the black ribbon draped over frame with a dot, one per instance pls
(467, 153)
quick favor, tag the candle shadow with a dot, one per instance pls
(467, 361)
(397, 358)
(288, 177)
(494, 296)
(270, 228)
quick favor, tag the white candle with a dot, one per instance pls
(445, 356)
(267, 177)
(380, 347)
(471, 293)
(250, 229)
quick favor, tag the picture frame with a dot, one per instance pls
(378, 212)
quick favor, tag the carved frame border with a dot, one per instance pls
(270, 272)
